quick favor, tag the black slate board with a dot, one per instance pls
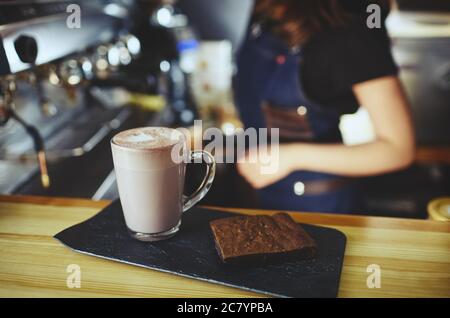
(192, 253)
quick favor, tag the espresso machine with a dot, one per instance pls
(69, 71)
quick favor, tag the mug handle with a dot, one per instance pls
(191, 200)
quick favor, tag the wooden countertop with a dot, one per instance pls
(414, 256)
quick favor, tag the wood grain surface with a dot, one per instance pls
(414, 256)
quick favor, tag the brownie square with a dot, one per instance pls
(261, 238)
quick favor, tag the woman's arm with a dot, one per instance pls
(393, 148)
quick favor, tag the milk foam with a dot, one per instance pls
(140, 137)
(148, 137)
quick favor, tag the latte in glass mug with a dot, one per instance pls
(150, 165)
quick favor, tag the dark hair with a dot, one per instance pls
(295, 21)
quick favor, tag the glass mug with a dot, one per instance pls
(150, 165)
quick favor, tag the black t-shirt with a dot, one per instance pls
(335, 60)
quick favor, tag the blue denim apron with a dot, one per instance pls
(269, 71)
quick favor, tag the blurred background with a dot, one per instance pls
(65, 91)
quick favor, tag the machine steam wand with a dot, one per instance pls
(6, 112)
